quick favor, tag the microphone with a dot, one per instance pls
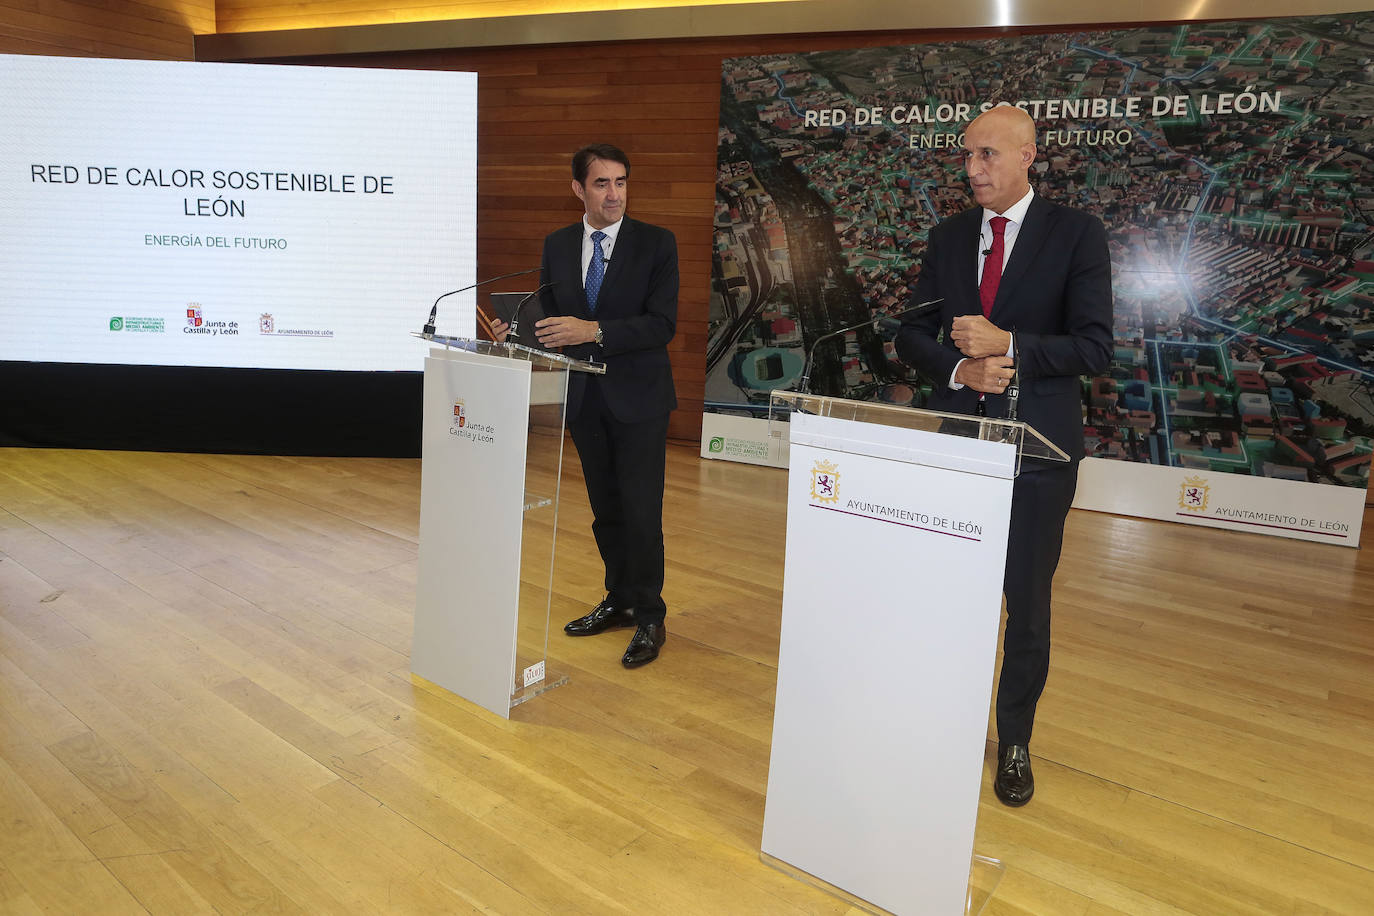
(805, 383)
(514, 332)
(434, 311)
(1013, 391)
(986, 252)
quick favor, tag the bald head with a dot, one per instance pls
(999, 147)
(1014, 121)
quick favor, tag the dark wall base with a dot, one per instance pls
(246, 411)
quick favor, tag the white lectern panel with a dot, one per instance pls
(891, 600)
(472, 491)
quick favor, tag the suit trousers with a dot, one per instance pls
(1040, 503)
(623, 464)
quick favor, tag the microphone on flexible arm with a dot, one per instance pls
(1013, 391)
(514, 333)
(434, 310)
(805, 383)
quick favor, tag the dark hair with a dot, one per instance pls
(582, 159)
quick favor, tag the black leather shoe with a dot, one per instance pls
(1014, 783)
(644, 645)
(602, 618)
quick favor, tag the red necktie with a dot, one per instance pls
(992, 266)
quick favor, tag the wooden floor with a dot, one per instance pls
(205, 706)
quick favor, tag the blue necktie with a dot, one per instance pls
(596, 271)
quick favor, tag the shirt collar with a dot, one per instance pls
(611, 231)
(1016, 212)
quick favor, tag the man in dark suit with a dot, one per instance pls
(1026, 284)
(614, 299)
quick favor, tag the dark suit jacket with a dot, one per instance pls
(637, 311)
(1055, 293)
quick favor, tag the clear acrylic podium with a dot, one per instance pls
(897, 526)
(1028, 442)
(489, 484)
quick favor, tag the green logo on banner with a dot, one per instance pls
(717, 444)
(116, 324)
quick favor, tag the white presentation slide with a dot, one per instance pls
(233, 215)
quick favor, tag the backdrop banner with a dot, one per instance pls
(1231, 165)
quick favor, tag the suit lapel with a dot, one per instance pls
(570, 272)
(1029, 239)
(620, 256)
(966, 255)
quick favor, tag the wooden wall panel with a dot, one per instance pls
(267, 15)
(151, 29)
(659, 100)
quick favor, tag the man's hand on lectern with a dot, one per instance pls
(564, 331)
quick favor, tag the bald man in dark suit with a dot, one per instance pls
(1026, 283)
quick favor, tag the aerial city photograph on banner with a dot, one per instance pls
(1228, 161)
